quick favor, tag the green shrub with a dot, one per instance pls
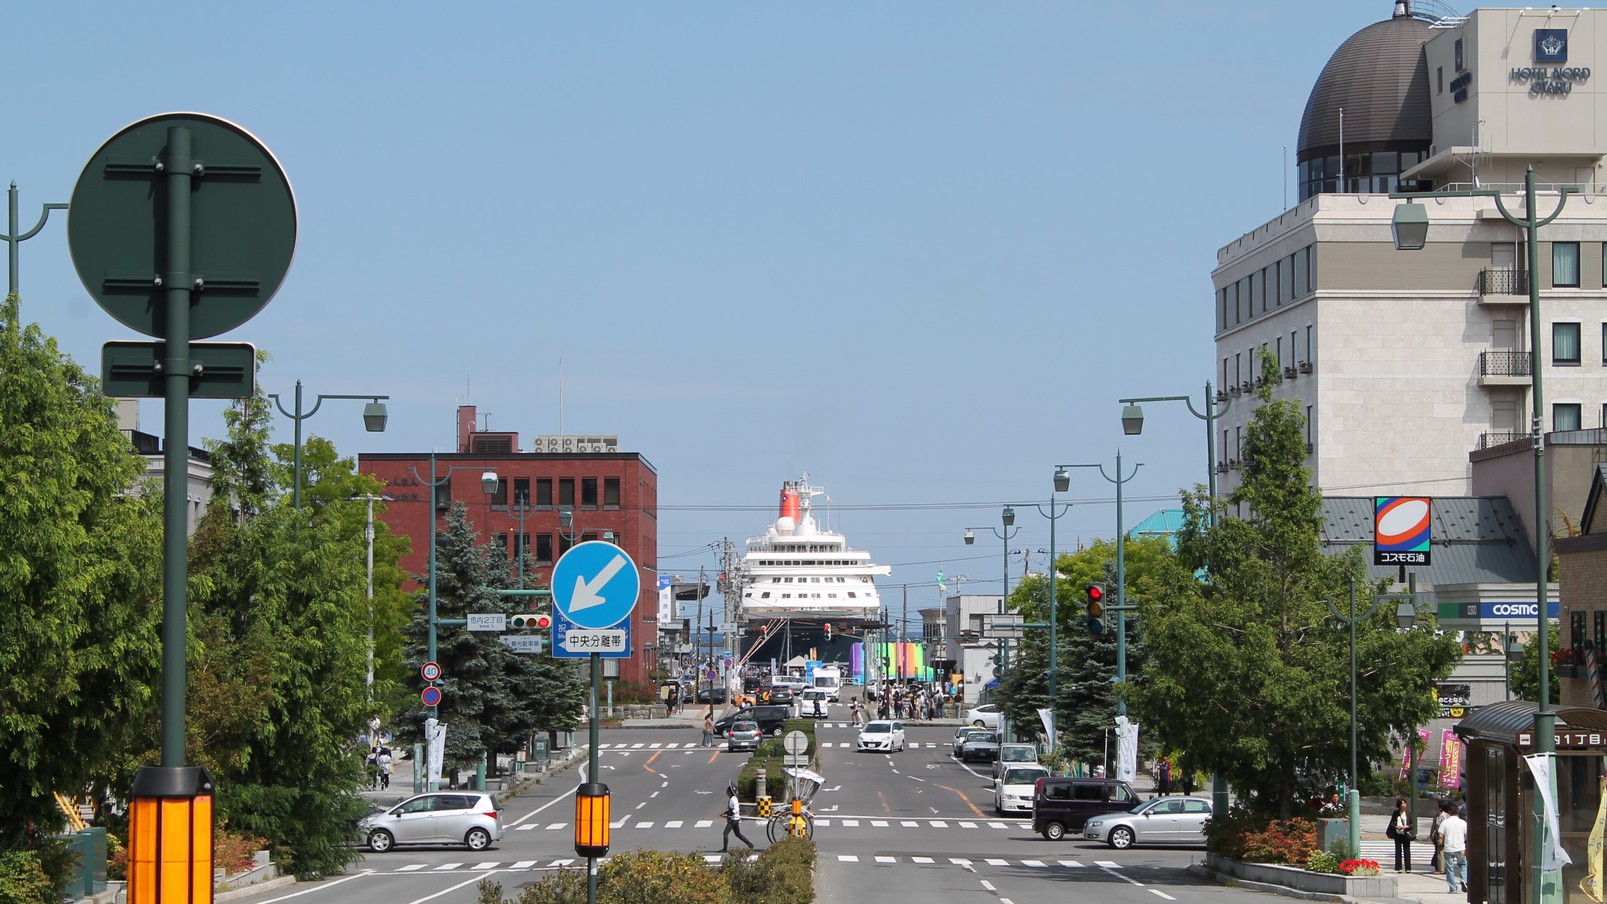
(1322, 862)
(23, 880)
(1241, 835)
(782, 874)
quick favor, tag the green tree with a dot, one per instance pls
(492, 697)
(1249, 672)
(1525, 673)
(80, 572)
(279, 656)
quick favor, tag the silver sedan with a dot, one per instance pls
(1160, 820)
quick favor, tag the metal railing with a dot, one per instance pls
(1491, 440)
(1503, 281)
(1506, 364)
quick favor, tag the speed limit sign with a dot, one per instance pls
(431, 671)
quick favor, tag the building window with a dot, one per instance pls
(1311, 268)
(588, 491)
(1565, 265)
(1565, 343)
(521, 491)
(500, 495)
(544, 491)
(611, 491)
(543, 547)
(1286, 281)
(566, 491)
(1301, 275)
(1565, 416)
(1604, 344)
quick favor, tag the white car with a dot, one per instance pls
(985, 716)
(1159, 820)
(881, 735)
(1012, 792)
(814, 703)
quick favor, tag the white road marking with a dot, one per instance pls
(673, 824)
(703, 824)
(854, 823)
(960, 861)
(994, 861)
(972, 825)
(447, 866)
(557, 825)
(1156, 891)
(1108, 864)
(645, 825)
(940, 824)
(847, 858)
(1036, 863)
(922, 860)
(1074, 864)
(410, 867)
(489, 864)
(910, 824)
(879, 823)
(886, 859)
(524, 864)
(989, 885)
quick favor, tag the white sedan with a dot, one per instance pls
(881, 735)
(984, 716)
(1013, 791)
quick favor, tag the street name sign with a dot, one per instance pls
(525, 643)
(581, 641)
(487, 621)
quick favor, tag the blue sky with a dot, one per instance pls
(918, 249)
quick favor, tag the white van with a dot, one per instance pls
(830, 681)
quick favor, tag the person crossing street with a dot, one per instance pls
(733, 820)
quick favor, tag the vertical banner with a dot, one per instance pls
(435, 741)
(1555, 857)
(1591, 885)
(1406, 757)
(1126, 749)
(1450, 760)
(1047, 717)
(666, 600)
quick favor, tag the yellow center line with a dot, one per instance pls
(649, 764)
(883, 798)
(967, 800)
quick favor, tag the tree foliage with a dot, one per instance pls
(1250, 670)
(492, 697)
(80, 571)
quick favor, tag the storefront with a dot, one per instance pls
(1500, 800)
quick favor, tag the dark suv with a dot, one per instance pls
(772, 719)
(1060, 805)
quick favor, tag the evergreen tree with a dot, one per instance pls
(492, 697)
(80, 575)
(1249, 672)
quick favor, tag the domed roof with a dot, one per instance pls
(1380, 78)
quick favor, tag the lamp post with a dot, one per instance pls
(1121, 573)
(14, 238)
(1008, 518)
(1410, 227)
(368, 535)
(488, 483)
(1405, 615)
(522, 498)
(1132, 425)
(374, 417)
(1062, 483)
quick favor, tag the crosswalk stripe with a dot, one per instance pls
(850, 858)
(561, 825)
(705, 823)
(972, 825)
(524, 864)
(568, 860)
(1075, 864)
(854, 823)
(1111, 864)
(1000, 825)
(940, 824)
(882, 823)
(994, 861)
(526, 828)
(886, 859)
(676, 823)
(449, 866)
(648, 824)
(961, 861)
(413, 866)
(1038, 863)
(922, 860)
(489, 864)
(910, 824)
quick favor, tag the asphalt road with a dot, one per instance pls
(893, 823)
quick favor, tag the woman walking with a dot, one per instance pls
(1400, 829)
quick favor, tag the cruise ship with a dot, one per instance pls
(798, 577)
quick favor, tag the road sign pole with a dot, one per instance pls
(591, 766)
(177, 170)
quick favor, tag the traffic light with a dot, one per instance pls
(828, 632)
(1095, 607)
(541, 621)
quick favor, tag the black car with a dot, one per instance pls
(772, 719)
(702, 696)
(778, 694)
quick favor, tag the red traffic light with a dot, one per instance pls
(1096, 593)
(828, 630)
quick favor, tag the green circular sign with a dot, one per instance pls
(242, 224)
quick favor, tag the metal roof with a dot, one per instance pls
(1598, 484)
(1477, 539)
(1502, 722)
(1380, 79)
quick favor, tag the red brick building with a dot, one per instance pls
(584, 489)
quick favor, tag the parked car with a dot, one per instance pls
(1014, 754)
(470, 818)
(984, 716)
(779, 693)
(981, 746)
(704, 696)
(772, 719)
(1063, 805)
(881, 735)
(744, 735)
(1160, 820)
(1012, 791)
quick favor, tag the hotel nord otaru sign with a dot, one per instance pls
(1549, 76)
(1401, 530)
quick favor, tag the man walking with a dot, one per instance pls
(1454, 835)
(733, 819)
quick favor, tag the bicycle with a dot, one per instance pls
(790, 825)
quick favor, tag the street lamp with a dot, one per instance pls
(1405, 616)
(488, 483)
(1133, 424)
(1008, 517)
(520, 542)
(1410, 226)
(374, 417)
(1062, 484)
(1121, 572)
(14, 238)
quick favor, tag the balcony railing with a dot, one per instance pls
(1506, 364)
(1491, 440)
(1503, 281)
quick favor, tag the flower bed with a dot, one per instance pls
(1356, 885)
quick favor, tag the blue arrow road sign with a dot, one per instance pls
(595, 585)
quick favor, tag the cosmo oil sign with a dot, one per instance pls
(1402, 526)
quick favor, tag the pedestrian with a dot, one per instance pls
(1434, 836)
(708, 731)
(1163, 776)
(384, 767)
(855, 708)
(1454, 838)
(1400, 830)
(733, 820)
(371, 765)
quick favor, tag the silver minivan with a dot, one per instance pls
(470, 818)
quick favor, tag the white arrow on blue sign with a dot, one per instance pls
(595, 585)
